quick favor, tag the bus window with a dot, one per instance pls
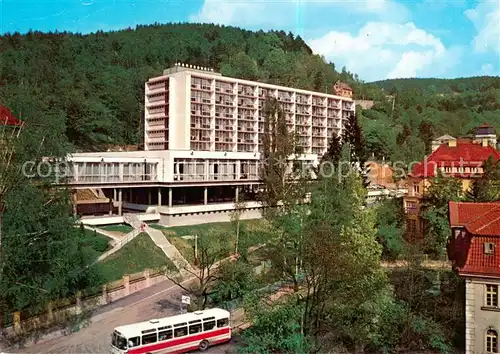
(223, 322)
(149, 338)
(195, 328)
(208, 326)
(180, 332)
(134, 342)
(119, 342)
(164, 335)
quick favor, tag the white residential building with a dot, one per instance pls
(203, 139)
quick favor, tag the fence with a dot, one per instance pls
(59, 311)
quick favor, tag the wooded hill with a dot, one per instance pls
(459, 85)
(92, 86)
(414, 111)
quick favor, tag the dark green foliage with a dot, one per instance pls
(275, 331)
(435, 211)
(235, 279)
(425, 310)
(334, 151)
(486, 188)
(425, 133)
(390, 228)
(478, 83)
(43, 256)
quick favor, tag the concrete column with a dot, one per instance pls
(205, 196)
(50, 313)
(126, 284)
(75, 199)
(79, 305)
(104, 294)
(149, 196)
(236, 194)
(170, 197)
(159, 196)
(120, 202)
(120, 171)
(75, 172)
(17, 322)
(114, 195)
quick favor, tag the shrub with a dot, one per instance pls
(99, 244)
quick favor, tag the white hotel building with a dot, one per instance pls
(203, 138)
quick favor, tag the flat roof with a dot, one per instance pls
(213, 75)
(135, 329)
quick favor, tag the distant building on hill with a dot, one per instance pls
(342, 89)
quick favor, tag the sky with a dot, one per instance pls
(377, 39)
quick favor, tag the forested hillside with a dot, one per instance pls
(94, 84)
(412, 112)
(458, 85)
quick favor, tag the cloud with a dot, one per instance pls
(487, 69)
(290, 13)
(385, 43)
(486, 19)
(382, 50)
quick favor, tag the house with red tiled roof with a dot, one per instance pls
(474, 249)
(459, 158)
(10, 127)
(342, 89)
(7, 118)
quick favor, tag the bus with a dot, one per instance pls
(176, 334)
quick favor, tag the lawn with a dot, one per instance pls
(219, 226)
(185, 246)
(123, 228)
(139, 254)
(95, 243)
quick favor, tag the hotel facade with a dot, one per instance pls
(202, 143)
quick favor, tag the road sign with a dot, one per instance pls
(186, 300)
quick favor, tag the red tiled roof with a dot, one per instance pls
(7, 118)
(465, 154)
(463, 213)
(482, 225)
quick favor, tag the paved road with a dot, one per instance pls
(160, 300)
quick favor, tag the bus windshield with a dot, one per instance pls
(118, 341)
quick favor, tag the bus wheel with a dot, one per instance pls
(204, 345)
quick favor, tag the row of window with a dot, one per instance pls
(178, 330)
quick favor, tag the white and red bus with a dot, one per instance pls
(176, 334)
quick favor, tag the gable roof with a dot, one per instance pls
(476, 218)
(445, 137)
(7, 118)
(466, 153)
(342, 85)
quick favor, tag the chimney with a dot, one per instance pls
(452, 143)
(485, 142)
